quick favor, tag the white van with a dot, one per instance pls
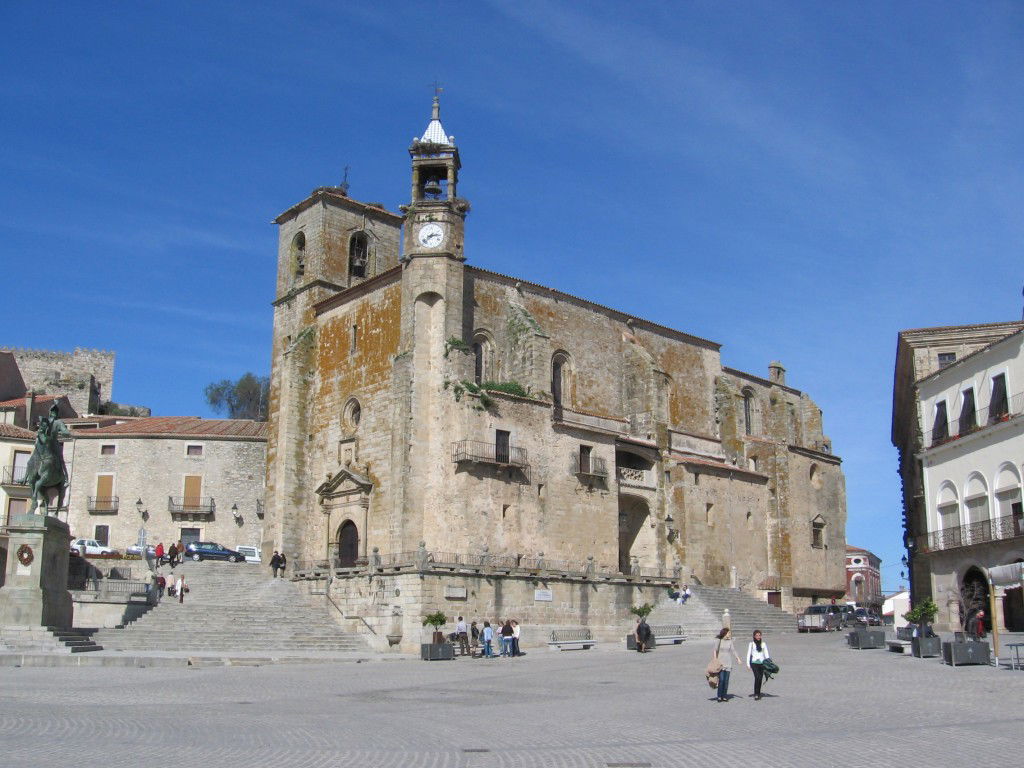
(252, 554)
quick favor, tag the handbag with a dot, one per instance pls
(712, 680)
(770, 667)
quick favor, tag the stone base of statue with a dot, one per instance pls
(35, 586)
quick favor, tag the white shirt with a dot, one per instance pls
(460, 627)
(755, 656)
(515, 631)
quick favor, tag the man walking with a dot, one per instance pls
(463, 634)
(275, 563)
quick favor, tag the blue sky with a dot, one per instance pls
(797, 181)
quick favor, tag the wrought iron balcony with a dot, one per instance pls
(13, 475)
(974, 420)
(102, 504)
(489, 453)
(995, 529)
(191, 505)
(591, 466)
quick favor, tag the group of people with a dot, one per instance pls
(174, 554)
(175, 587)
(277, 563)
(725, 652)
(476, 639)
(680, 594)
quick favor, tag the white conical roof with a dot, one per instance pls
(435, 131)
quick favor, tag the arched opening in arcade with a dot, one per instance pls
(1013, 607)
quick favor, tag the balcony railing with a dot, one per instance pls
(101, 504)
(191, 505)
(994, 529)
(635, 478)
(13, 475)
(966, 424)
(489, 453)
(592, 466)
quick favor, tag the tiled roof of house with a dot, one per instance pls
(19, 401)
(181, 426)
(18, 433)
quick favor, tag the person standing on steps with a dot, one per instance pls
(172, 556)
(723, 649)
(275, 563)
(159, 553)
(284, 562)
(181, 589)
(757, 652)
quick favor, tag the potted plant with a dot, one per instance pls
(437, 648)
(642, 612)
(924, 642)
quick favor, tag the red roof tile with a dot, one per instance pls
(18, 433)
(181, 426)
(18, 401)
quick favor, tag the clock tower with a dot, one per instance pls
(435, 219)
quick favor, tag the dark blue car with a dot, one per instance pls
(211, 550)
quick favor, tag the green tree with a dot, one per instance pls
(243, 399)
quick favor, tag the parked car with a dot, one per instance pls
(135, 549)
(211, 550)
(846, 616)
(867, 618)
(252, 554)
(92, 547)
(819, 618)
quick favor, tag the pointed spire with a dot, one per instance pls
(435, 133)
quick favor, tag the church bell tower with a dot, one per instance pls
(435, 218)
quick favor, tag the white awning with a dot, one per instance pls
(1007, 575)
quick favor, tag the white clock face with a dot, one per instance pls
(431, 235)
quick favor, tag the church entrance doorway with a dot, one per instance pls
(637, 544)
(348, 545)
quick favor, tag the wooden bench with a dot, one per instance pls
(572, 639)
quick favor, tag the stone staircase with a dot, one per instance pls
(48, 640)
(701, 616)
(235, 608)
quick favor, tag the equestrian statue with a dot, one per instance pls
(46, 468)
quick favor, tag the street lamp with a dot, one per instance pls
(236, 513)
(143, 512)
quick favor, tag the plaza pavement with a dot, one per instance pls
(829, 706)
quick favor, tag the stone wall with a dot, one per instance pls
(86, 376)
(396, 604)
(153, 469)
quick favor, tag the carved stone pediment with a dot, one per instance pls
(345, 486)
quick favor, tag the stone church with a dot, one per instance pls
(481, 444)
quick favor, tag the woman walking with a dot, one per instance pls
(723, 650)
(757, 652)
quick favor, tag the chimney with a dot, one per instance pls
(30, 399)
(776, 373)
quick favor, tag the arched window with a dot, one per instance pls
(559, 379)
(748, 412)
(979, 522)
(297, 255)
(358, 254)
(482, 359)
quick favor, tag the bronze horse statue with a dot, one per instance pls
(46, 468)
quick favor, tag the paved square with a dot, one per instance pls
(829, 706)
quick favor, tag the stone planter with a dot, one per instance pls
(863, 639)
(970, 652)
(437, 651)
(925, 647)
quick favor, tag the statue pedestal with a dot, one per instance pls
(35, 587)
